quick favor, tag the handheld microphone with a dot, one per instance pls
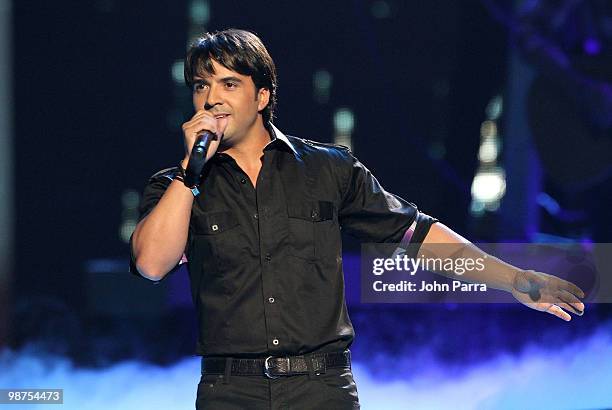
(197, 158)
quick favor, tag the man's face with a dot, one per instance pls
(228, 92)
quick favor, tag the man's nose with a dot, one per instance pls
(213, 98)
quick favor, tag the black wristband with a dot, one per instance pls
(182, 176)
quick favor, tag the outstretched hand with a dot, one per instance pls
(548, 293)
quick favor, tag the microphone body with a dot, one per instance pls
(197, 158)
(200, 145)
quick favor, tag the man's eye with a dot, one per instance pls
(230, 85)
(199, 86)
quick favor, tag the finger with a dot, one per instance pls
(199, 116)
(206, 124)
(577, 305)
(569, 286)
(193, 123)
(569, 308)
(202, 129)
(557, 311)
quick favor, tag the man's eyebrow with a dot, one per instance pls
(230, 78)
(221, 80)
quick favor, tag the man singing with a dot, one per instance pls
(260, 230)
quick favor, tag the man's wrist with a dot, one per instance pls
(195, 191)
(182, 176)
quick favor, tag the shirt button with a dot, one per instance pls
(256, 215)
(268, 257)
(275, 342)
(271, 300)
(243, 181)
(314, 214)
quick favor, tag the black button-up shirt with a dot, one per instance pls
(265, 263)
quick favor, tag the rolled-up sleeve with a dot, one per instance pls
(370, 213)
(153, 191)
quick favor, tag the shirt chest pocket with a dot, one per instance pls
(314, 230)
(218, 234)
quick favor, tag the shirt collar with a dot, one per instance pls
(276, 134)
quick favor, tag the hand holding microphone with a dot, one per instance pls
(202, 136)
(201, 122)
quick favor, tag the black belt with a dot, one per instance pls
(276, 366)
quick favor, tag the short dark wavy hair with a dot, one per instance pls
(238, 50)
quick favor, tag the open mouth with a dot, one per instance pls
(219, 116)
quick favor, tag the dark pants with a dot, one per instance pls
(334, 389)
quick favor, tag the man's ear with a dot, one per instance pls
(263, 96)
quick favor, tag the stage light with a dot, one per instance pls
(344, 121)
(488, 150)
(130, 199)
(592, 46)
(489, 183)
(489, 186)
(126, 230)
(488, 129)
(321, 81)
(477, 208)
(381, 9)
(549, 203)
(177, 71)
(199, 12)
(495, 108)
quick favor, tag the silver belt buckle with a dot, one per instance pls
(267, 368)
